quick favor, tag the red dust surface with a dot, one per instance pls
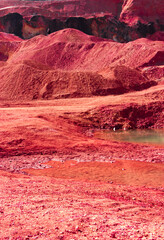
(57, 179)
(60, 182)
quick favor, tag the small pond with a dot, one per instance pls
(134, 136)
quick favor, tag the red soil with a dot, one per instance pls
(5, 37)
(113, 6)
(69, 63)
(142, 10)
(49, 208)
(158, 36)
(70, 49)
(111, 195)
(25, 8)
(57, 180)
(60, 8)
(129, 11)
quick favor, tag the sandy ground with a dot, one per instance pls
(50, 208)
(57, 181)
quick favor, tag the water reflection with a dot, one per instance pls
(137, 136)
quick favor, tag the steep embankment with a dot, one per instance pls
(142, 10)
(25, 8)
(69, 63)
(119, 20)
(56, 8)
(129, 11)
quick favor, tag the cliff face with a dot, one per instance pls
(144, 11)
(114, 6)
(100, 26)
(129, 11)
(121, 21)
(65, 7)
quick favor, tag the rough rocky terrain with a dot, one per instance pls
(94, 71)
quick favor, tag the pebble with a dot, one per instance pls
(113, 235)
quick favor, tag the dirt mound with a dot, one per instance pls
(9, 37)
(73, 36)
(8, 47)
(155, 73)
(33, 83)
(124, 79)
(70, 49)
(39, 82)
(69, 63)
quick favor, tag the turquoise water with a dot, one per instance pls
(134, 136)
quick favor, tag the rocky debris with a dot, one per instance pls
(48, 208)
(17, 164)
(132, 116)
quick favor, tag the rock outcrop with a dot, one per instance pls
(144, 11)
(116, 20)
(102, 26)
